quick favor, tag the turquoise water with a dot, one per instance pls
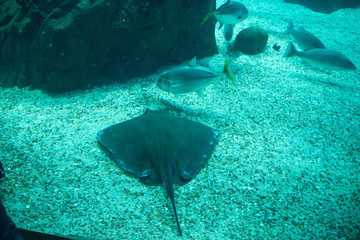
(287, 165)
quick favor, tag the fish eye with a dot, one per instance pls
(161, 78)
(163, 83)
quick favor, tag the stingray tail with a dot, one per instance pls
(176, 216)
(167, 178)
(228, 71)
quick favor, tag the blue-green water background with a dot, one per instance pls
(287, 165)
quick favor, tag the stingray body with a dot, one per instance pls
(159, 148)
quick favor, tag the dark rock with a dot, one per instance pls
(276, 47)
(66, 45)
(251, 40)
(326, 6)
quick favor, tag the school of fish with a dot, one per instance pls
(194, 78)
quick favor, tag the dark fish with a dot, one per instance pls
(159, 148)
(324, 58)
(305, 39)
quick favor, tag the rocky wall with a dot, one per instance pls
(326, 6)
(61, 45)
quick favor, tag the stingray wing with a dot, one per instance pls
(195, 144)
(156, 140)
(126, 141)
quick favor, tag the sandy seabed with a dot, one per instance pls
(287, 165)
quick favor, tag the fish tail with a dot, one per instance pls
(290, 50)
(228, 72)
(210, 13)
(206, 17)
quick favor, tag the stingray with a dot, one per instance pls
(159, 148)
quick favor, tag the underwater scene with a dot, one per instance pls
(135, 119)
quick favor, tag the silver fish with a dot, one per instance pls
(191, 78)
(305, 39)
(231, 12)
(324, 58)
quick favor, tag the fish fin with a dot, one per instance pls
(153, 84)
(290, 50)
(206, 17)
(220, 26)
(228, 72)
(177, 85)
(289, 28)
(228, 31)
(301, 29)
(192, 62)
(200, 93)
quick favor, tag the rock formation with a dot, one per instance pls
(66, 45)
